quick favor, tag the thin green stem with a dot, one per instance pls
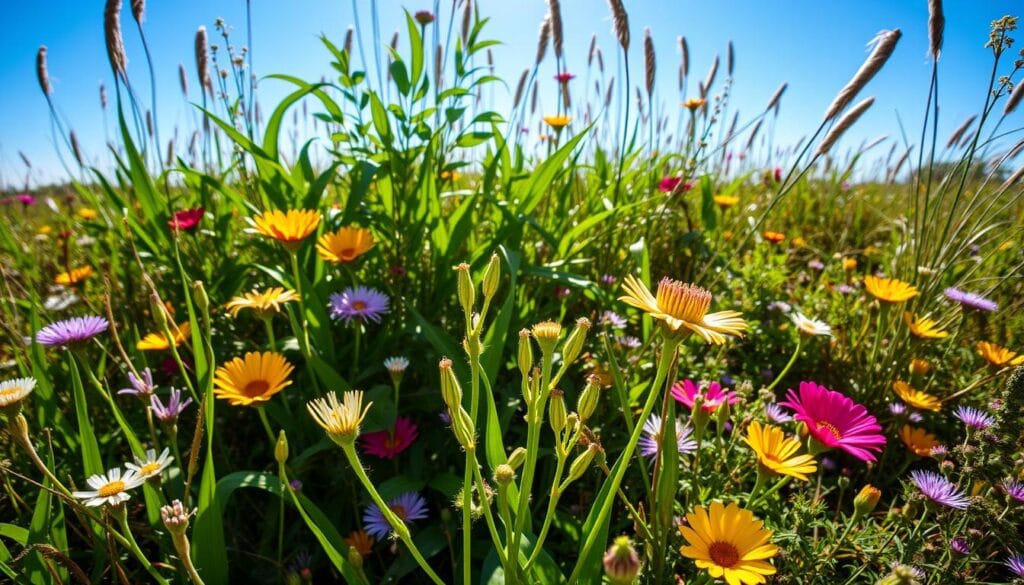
(129, 540)
(789, 365)
(271, 341)
(266, 426)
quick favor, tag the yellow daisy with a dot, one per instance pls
(682, 305)
(290, 228)
(344, 245)
(264, 303)
(776, 453)
(694, 103)
(998, 355)
(889, 290)
(88, 213)
(916, 398)
(252, 380)
(341, 420)
(158, 341)
(557, 122)
(73, 276)
(919, 441)
(923, 327)
(849, 264)
(729, 543)
(726, 201)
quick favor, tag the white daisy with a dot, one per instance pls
(16, 390)
(808, 326)
(109, 488)
(152, 465)
(397, 364)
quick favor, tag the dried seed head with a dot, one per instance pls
(844, 124)
(593, 49)
(75, 148)
(608, 94)
(1012, 179)
(347, 45)
(467, 20)
(620, 23)
(139, 10)
(730, 60)
(183, 80)
(520, 87)
(394, 41)
(712, 73)
(114, 39)
(684, 49)
(42, 73)
(753, 134)
(1015, 97)
(649, 63)
(774, 102)
(885, 44)
(936, 28)
(555, 13)
(542, 40)
(959, 132)
(103, 96)
(202, 50)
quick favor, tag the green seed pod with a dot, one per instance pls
(517, 458)
(525, 353)
(281, 448)
(200, 296)
(504, 474)
(582, 463)
(587, 403)
(158, 310)
(574, 343)
(451, 393)
(492, 277)
(556, 411)
(467, 293)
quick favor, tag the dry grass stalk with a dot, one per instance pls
(844, 124)
(42, 73)
(182, 80)
(593, 49)
(712, 73)
(608, 94)
(1012, 179)
(557, 39)
(533, 100)
(114, 39)
(149, 123)
(76, 149)
(202, 49)
(774, 102)
(959, 132)
(650, 65)
(170, 153)
(544, 37)
(885, 43)
(520, 87)
(600, 60)
(620, 23)
(684, 50)
(467, 20)
(753, 134)
(730, 60)
(936, 28)
(139, 10)
(103, 96)
(1015, 97)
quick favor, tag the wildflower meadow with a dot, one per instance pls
(594, 337)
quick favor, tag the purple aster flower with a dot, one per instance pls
(915, 417)
(367, 304)
(974, 418)
(650, 441)
(628, 341)
(296, 485)
(845, 289)
(970, 300)
(776, 413)
(726, 380)
(960, 545)
(897, 409)
(1014, 489)
(939, 489)
(171, 412)
(1016, 564)
(72, 331)
(816, 265)
(939, 452)
(408, 507)
(613, 320)
(608, 280)
(142, 386)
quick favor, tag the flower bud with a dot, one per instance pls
(175, 517)
(504, 474)
(156, 307)
(450, 390)
(281, 448)
(200, 297)
(467, 293)
(572, 421)
(525, 353)
(556, 411)
(517, 458)
(587, 403)
(621, 562)
(865, 501)
(492, 277)
(919, 367)
(465, 430)
(582, 463)
(574, 343)
(354, 558)
(546, 333)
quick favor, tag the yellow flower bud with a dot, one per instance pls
(492, 277)
(865, 501)
(281, 448)
(547, 333)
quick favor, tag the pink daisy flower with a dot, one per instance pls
(686, 391)
(835, 421)
(387, 444)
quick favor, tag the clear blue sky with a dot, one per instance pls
(815, 45)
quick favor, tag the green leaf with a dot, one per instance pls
(92, 462)
(708, 213)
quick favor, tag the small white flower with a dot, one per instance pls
(60, 301)
(808, 326)
(16, 390)
(152, 465)
(396, 364)
(109, 488)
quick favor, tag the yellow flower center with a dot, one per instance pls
(358, 305)
(111, 489)
(149, 468)
(724, 554)
(683, 301)
(830, 428)
(256, 388)
(13, 390)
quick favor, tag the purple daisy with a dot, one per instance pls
(141, 386)
(367, 304)
(613, 320)
(628, 341)
(1016, 564)
(970, 300)
(974, 418)
(171, 412)
(897, 409)
(960, 545)
(776, 413)
(408, 507)
(650, 441)
(71, 331)
(939, 489)
(1014, 489)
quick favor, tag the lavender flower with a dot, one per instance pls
(1014, 489)
(974, 419)
(960, 545)
(1016, 564)
(408, 507)
(608, 280)
(142, 387)
(171, 412)
(650, 442)
(939, 489)
(969, 300)
(845, 289)
(613, 320)
(897, 409)
(70, 332)
(366, 304)
(816, 265)
(776, 413)
(628, 341)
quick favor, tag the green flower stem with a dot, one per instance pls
(304, 341)
(668, 351)
(128, 540)
(778, 485)
(473, 345)
(835, 548)
(556, 493)
(270, 332)
(19, 430)
(488, 516)
(789, 365)
(882, 309)
(396, 523)
(177, 359)
(266, 426)
(506, 518)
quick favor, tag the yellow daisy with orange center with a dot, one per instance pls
(923, 327)
(729, 543)
(158, 341)
(253, 379)
(685, 307)
(919, 441)
(777, 453)
(889, 290)
(998, 355)
(345, 245)
(288, 227)
(73, 276)
(916, 398)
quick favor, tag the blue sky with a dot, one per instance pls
(814, 45)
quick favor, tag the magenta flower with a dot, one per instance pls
(408, 507)
(366, 304)
(389, 443)
(1014, 489)
(687, 390)
(673, 184)
(939, 489)
(70, 332)
(564, 77)
(26, 199)
(186, 219)
(835, 421)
